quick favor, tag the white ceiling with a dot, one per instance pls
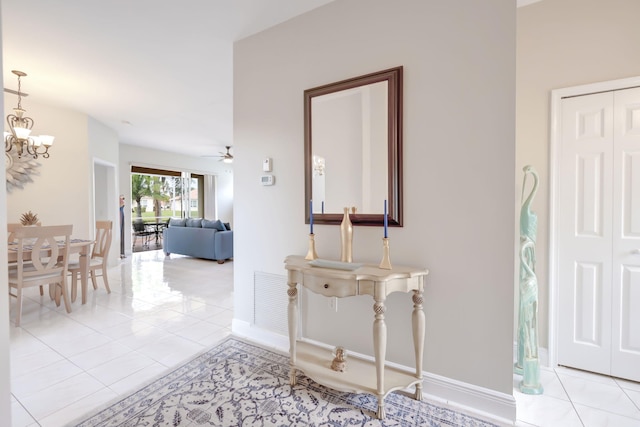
(158, 72)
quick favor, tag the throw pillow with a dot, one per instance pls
(194, 222)
(218, 225)
(207, 223)
(227, 225)
(177, 222)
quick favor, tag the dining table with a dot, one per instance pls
(79, 246)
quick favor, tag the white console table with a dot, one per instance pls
(315, 361)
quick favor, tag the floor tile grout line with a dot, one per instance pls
(25, 409)
(632, 401)
(624, 390)
(573, 405)
(616, 384)
(65, 358)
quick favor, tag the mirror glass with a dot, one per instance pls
(353, 149)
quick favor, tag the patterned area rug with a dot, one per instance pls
(241, 384)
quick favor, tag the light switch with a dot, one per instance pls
(266, 165)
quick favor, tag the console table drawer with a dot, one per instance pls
(330, 287)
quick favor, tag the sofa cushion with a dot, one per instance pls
(227, 225)
(194, 222)
(209, 223)
(177, 222)
(217, 224)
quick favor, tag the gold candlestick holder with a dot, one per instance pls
(386, 261)
(311, 254)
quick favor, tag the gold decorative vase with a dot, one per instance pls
(346, 238)
(386, 261)
(311, 254)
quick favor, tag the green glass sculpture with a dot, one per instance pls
(527, 363)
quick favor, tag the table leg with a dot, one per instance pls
(417, 320)
(84, 271)
(380, 350)
(292, 315)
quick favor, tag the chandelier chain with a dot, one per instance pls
(19, 93)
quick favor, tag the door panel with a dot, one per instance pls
(585, 233)
(631, 186)
(590, 191)
(625, 356)
(588, 292)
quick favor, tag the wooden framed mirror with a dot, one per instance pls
(353, 149)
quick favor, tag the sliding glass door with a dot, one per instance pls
(158, 195)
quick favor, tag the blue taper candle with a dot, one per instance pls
(385, 218)
(311, 216)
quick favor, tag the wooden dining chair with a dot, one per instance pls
(11, 228)
(42, 259)
(98, 260)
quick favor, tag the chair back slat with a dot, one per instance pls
(104, 231)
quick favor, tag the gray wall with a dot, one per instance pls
(459, 103)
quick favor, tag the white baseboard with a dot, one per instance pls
(490, 405)
(266, 338)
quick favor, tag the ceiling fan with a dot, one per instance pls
(225, 157)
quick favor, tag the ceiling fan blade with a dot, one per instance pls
(15, 92)
(222, 156)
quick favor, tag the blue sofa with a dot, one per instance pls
(199, 238)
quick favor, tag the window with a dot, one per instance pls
(161, 194)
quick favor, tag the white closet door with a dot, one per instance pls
(625, 354)
(599, 237)
(585, 233)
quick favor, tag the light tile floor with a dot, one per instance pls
(163, 311)
(574, 398)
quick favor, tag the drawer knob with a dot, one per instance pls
(326, 286)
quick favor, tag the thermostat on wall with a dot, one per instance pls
(267, 179)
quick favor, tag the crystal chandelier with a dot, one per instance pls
(20, 130)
